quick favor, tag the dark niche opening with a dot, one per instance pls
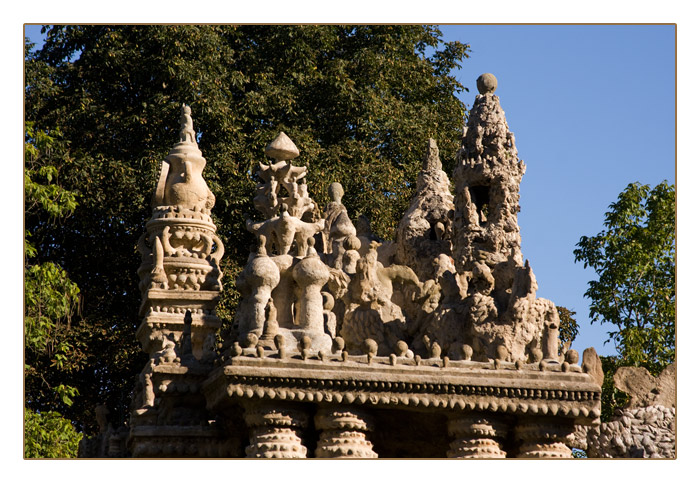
(432, 235)
(480, 198)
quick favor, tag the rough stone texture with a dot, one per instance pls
(592, 365)
(645, 389)
(425, 230)
(643, 432)
(501, 298)
(344, 345)
(646, 426)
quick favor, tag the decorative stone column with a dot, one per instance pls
(476, 436)
(343, 431)
(275, 431)
(543, 438)
(180, 253)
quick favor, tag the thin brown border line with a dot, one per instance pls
(543, 24)
(675, 25)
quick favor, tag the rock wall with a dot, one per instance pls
(646, 432)
(646, 426)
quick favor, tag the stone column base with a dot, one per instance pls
(476, 436)
(275, 432)
(343, 433)
(540, 438)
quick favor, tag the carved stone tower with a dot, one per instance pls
(347, 346)
(180, 252)
(503, 309)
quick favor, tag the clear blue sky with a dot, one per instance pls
(592, 109)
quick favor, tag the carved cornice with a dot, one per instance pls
(507, 390)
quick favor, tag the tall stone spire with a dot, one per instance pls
(486, 237)
(487, 184)
(180, 252)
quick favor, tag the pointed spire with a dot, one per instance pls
(431, 162)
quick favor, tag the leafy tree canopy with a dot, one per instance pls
(51, 301)
(49, 435)
(360, 102)
(634, 258)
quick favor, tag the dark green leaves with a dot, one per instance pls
(360, 102)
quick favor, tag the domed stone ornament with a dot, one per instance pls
(487, 83)
(282, 148)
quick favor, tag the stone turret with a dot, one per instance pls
(180, 250)
(486, 240)
(294, 272)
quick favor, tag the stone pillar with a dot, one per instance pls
(343, 433)
(275, 431)
(543, 438)
(476, 436)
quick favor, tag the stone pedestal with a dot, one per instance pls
(275, 431)
(543, 438)
(476, 436)
(343, 433)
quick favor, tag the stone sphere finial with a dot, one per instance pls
(487, 83)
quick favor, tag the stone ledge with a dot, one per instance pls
(524, 392)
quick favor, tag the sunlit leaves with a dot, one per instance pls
(49, 435)
(568, 328)
(634, 258)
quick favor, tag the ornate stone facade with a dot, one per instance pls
(347, 346)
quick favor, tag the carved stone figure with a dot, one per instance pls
(370, 312)
(338, 227)
(430, 345)
(261, 276)
(310, 275)
(184, 184)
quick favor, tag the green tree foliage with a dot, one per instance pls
(568, 328)
(360, 102)
(51, 300)
(611, 397)
(634, 257)
(49, 435)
